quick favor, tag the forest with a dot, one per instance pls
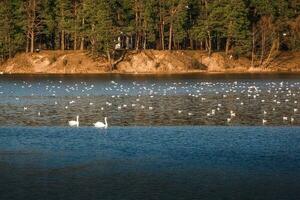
(257, 29)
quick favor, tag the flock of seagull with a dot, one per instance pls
(196, 89)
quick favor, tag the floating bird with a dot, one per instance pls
(101, 124)
(264, 121)
(74, 123)
(232, 114)
(295, 110)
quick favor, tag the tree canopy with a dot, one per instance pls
(255, 28)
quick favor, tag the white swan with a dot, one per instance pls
(101, 124)
(74, 123)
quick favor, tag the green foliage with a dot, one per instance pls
(11, 34)
(222, 25)
(63, 14)
(150, 19)
(99, 26)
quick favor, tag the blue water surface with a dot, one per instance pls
(150, 163)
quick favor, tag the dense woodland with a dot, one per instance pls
(253, 28)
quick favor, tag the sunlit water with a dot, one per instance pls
(168, 137)
(150, 100)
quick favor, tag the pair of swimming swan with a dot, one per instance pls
(96, 125)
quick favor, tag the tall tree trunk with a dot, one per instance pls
(82, 38)
(109, 60)
(75, 41)
(62, 41)
(9, 47)
(75, 25)
(218, 42)
(162, 24)
(272, 53)
(32, 41)
(228, 40)
(253, 46)
(229, 35)
(209, 46)
(137, 26)
(33, 26)
(171, 35)
(127, 42)
(191, 43)
(163, 35)
(137, 41)
(93, 46)
(27, 43)
(145, 41)
(278, 42)
(82, 44)
(263, 43)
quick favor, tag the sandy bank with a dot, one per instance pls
(143, 62)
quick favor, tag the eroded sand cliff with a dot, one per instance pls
(150, 61)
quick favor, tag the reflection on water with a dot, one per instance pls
(150, 100)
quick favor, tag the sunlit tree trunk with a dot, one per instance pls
(170, 34)
(62, 40)
(253, 46)
(82, 38)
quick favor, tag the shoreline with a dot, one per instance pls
(158, 74)
(148, 62)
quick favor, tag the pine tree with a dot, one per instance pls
(236, 27)
(11, 33)
(50, 23)
(75, 22)
(32, 8)
(6, 27)
(270, 20)
(100, 28)
(151, 20)
(214, 25)
(193, 12)
(64, 21)
(177, 12)
(204, 26)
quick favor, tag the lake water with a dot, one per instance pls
(150, 100)
(169, 137)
